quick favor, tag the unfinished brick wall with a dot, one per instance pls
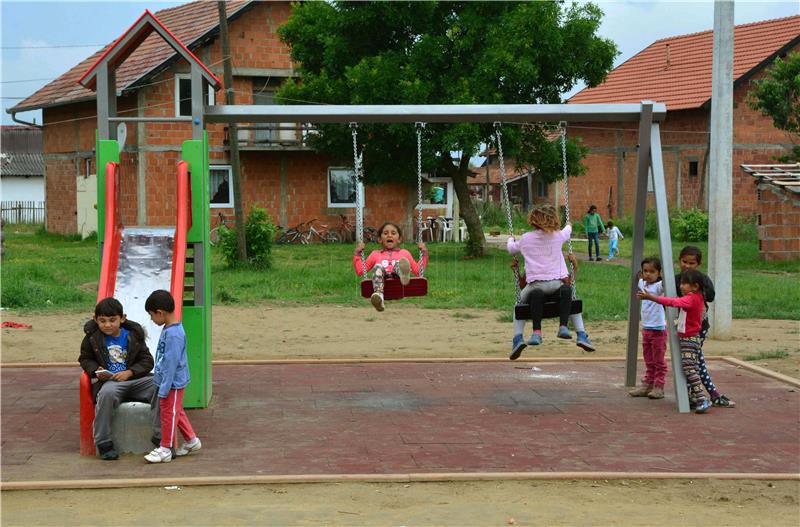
(778, 223)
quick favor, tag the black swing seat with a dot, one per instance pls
(394, 290)
(550, 309)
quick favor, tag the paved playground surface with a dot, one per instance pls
(410, 417)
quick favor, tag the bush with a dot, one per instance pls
(744, 229)
(625, 225)
(493, 214)
(689, 225)
(260, 232)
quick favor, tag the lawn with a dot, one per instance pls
(49, 272)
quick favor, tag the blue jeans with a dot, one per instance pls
(612, 248)
(596, 237)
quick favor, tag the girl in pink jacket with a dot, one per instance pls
(391, 260)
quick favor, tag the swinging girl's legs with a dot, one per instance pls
(377, 287)
(582, 340)
(518, 342)
(564, 307)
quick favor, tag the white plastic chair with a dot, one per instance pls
(445, 228)
(462, 230)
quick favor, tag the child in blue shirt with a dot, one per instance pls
(171, 378)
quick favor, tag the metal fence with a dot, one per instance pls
(22, 211)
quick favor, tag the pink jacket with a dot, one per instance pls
(542, 253)
(388, 259)
(690, 319)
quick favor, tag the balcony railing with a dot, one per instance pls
(273, 136)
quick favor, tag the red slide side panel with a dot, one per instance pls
(182, 226)
(112, 237)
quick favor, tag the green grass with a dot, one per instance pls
(47, 272)
(777, 354)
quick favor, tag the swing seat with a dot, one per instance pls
(394, 290)
(550, 309)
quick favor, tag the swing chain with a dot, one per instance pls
(420, 127)
(499, 134)
(357, 176)
(563, 126)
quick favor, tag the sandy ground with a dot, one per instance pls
(288, 332)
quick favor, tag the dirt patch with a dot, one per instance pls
(287, 332)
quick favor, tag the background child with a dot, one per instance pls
(654, 333)
(544, 270)
(592, 223)
(582, 341)
(690, 259)
(171, 378)
(689, 322)
(115, 353)
(391, 260)
(614, 235)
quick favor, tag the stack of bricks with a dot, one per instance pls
(778, 222)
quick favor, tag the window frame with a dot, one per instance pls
(177, 98)
(449, 196)
(229, 204)
(359, 189)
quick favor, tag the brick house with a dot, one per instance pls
(21, 174)
(677, 71)
(279, 172)
(778, 210)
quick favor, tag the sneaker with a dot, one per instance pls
(642, 391)
(404, 271)
(656, 393)
(584, 342)
(723, 402)
(159, 456)
(563, 333)
(377, 301)
(702, 407)
(517, 345)
(107, 451)
(189, 447)
(598, 259)
(535, 339)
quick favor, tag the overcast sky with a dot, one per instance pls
(40, 39)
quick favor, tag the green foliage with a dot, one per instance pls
(689, 225)
(625, 224)
(442, 53)
(493, 216)
(744, 229)
(763, 355)
(777, 95)
(260, 231)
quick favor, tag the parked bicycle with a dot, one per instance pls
(214, 235)
(323, 234)
(294, 235)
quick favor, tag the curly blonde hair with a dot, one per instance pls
(544, 217)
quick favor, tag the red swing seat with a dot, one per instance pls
(394, 290)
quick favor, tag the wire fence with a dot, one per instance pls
(22, 211)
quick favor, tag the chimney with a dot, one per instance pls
(667, 54)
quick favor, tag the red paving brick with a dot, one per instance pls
(400, 418)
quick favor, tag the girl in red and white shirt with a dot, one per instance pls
(390, 260)
(690, 321)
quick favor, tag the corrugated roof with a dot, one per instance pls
(13, 164)
(685, 81)
(189, 23)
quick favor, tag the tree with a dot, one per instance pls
(777, 95)
(442, 53)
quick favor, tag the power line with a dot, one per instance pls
(27, 80)
(55, 46)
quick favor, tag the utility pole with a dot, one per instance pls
(720, 183)
(233, 134)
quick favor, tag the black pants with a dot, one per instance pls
(538, 298)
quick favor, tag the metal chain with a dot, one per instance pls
(357, 177)
(419, 127)
(499, 134)
(563, 126)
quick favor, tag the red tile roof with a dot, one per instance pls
(686, 81)
(189, 23)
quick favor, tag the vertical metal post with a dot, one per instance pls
(720, 192)
(198, 103)
(640, 205)
(106, 101)
(665, 246)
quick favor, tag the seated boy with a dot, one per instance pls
(115, 355)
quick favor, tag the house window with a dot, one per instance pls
(693, 168)
(264, 89)
(341, 187)
(437, 193)
(541, 188)
(183, 95)
(220, 188)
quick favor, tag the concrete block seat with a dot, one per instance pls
(131, 427)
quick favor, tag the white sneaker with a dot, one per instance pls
(404, 271)
(188, 448)
(159, 455)
(377, 301)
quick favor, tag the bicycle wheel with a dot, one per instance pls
(332, 237)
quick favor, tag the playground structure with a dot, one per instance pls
(192, 237)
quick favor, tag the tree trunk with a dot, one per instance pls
(476, 245)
